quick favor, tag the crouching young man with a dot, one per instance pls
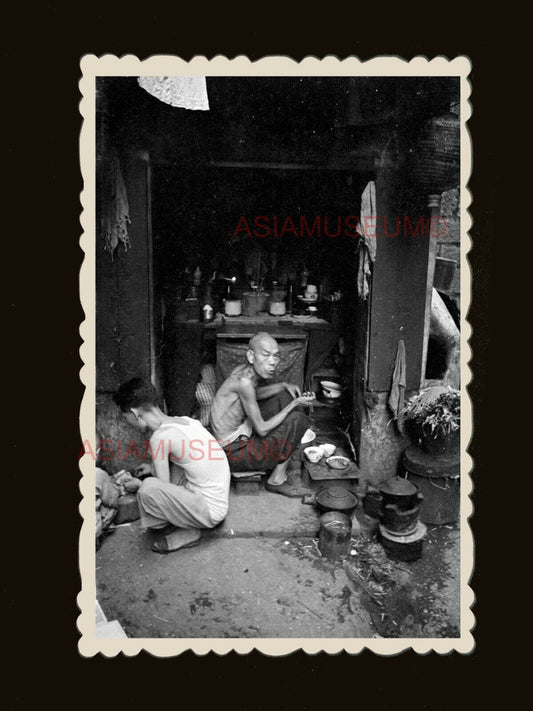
(190, 486)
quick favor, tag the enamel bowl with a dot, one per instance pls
(331, 394)
(328, 449)
(331, 389)
(314, 454)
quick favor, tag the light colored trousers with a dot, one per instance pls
(162, 502)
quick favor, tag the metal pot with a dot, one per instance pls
(336, 498)
(398, 520)
(401, 492)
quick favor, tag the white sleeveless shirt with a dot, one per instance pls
(202, 459)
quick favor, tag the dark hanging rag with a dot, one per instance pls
(397, 392)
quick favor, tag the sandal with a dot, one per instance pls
(164, 530)
(183, 541)
(293, 491)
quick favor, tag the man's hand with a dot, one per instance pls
(143, 470)
(292, 389)
(305, 399)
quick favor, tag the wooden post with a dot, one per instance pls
(399, 298)
(434, 207)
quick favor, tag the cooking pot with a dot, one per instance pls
(232, 307)
(401, 492)
(399, 520)
(336, 498)
(277, 308)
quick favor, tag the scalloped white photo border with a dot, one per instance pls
(166, 65)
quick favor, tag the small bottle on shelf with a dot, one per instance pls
(208, 311)
(290, 298)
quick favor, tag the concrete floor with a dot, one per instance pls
(260, 575)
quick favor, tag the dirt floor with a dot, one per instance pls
(261, 575)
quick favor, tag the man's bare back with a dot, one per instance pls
(227, 411)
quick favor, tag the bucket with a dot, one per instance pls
(335, 535)
(441, 497)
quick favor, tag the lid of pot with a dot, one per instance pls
(336, 497)
(398, 487)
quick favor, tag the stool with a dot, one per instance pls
(246, 482)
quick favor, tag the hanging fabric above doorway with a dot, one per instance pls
(181, 92)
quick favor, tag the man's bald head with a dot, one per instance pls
(263, 354)
(260, 340)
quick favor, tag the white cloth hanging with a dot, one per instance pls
(116, 216)
(367, 230)
(399, 380)
(181, 92)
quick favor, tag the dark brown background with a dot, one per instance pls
(42, 230)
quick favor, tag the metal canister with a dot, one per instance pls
(335, 535)
(208, 313)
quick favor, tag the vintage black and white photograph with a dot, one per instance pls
(275, 287)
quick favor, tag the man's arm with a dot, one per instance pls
(247, 394)
(160, 464)
(268, 390)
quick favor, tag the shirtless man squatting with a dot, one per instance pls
(256, 423)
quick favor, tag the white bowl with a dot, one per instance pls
(308, 436)
(328, 449)
(314, 454)
(331, 394)
(330, 389)
(330, 385)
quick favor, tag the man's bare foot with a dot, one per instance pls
(279, 474)
(276, 481)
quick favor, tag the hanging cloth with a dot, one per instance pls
(397, 392)
(367, 230)
(181, 92)
(116, 216)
